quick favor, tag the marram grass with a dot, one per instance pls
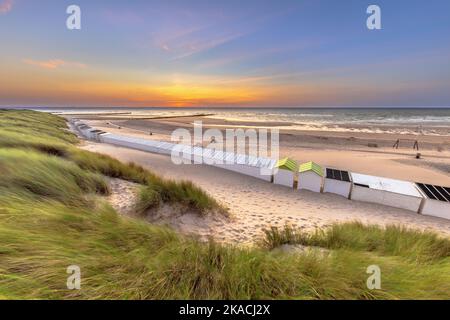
(52, 215)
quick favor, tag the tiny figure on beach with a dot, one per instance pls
(396, 144)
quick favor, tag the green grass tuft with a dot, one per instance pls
(48, 176)
(414, 245)
(148, 199)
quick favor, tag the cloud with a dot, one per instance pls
(165, 47)
(54, 63)
(6, 6)
(194, 47)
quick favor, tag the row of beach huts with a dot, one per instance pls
(420, 198)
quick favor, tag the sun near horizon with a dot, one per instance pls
(252, 54)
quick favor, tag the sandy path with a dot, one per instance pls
(255, 204)
(124, 195)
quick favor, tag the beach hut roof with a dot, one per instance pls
(435, 192)
(385, 184)
(287, 164)
(336, 174)
(311, 166)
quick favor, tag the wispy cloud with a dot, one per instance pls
(6, 6)
(183, 42)
(54, 63)
(193, 33)
(195, 47)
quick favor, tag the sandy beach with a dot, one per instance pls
(363, 152)
(255, 205)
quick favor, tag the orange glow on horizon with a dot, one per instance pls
(62, 82)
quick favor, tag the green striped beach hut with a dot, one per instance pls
(285, 170)
(310, 176)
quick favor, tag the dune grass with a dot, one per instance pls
(162, 190)
(52, 216)
(417, 246)
(48, 134)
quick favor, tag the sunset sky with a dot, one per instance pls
(224, 53)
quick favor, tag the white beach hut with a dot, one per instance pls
(116, 140)
(284, 172)
(207, 155)
(266, 166)
(257, 167)
(151, 146)
(263, 167)
(229, 161)
(337, 182)
(197, 155)
(164, 147)
(218, 158)
(106, 138)
(182, 153)
(84, 130)
(80, 125)
(187, 153)
(436, 202)
(250, 167)
(389, 192)
(240, 164)
(94, 134)
(129, 142)
(87, 131)
(310, 177)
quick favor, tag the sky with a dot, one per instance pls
(247, 53)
